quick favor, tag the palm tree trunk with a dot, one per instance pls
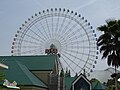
(116, 88)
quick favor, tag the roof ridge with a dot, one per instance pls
(28, 76)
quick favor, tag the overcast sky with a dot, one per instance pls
(14, 12)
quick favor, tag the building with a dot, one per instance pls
(32, 72)
(42, 73)
(82, 83)
(77, 83)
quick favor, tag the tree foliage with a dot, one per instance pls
(109, 42)
(1, 78)
(66, 74)
(62, 73)
(110, 85)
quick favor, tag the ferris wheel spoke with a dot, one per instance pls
(77, 37)
(77, 42)
(57, 24)
(48, 27)
(68, 64)
(86, 71)
(63, 41)
(39, 37)
(76, 57)
(88, 68)
(74, 51)
(61, 26)
(41, 32)
(78, 47)
(74, 33)
(70, 31)
(65, 28)
(91, 59)
(52, 30)
(71, 60)
(27, 41)
(42, 39)
(84, 67)
(30, 42)
(46, 35)
(80, 41)
(67, 31)
(72, 55)
(73, 36)
(36, 39)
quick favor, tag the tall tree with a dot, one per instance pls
(109, 42)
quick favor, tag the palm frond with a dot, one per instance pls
(105, 54)
(102, 28)
(109, 60)
(115, 61)
(118, 22)
(106, 37)
(109, 48)
(111, 22)
(100, 43)
(114, 29)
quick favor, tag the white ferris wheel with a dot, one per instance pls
(67, 31)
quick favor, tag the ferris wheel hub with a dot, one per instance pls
(54, 44)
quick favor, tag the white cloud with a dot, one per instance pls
(86, 4)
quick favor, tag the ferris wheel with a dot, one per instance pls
(67, 31)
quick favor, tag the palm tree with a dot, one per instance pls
(109, 42)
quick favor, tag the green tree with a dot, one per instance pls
(1, 78)
(62, 73)
(67, 73)
(111, 84)
(109, 42)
